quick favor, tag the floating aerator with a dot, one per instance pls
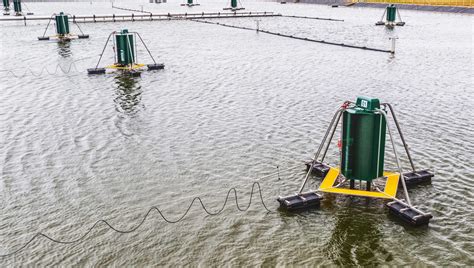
(62, 29)
(364, 126)
(17, 7)
(125, 54)
(190, 3)
(6, 7)
(233, 6)
(391, 19)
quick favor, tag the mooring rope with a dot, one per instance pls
(255, 185)
(311, 18)
(293, 37)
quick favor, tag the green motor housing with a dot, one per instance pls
(190, 2)
(391, 13)
(6, 3)
(125, 48)
(62, 24)
(233, 3)
(363, 140)
(17, 6)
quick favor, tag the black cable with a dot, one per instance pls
(294, 37)
(58, 67)
(130, 9)
(311, 18)
(146, 216)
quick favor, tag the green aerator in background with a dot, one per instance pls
(62, 29)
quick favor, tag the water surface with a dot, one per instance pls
(230, 106)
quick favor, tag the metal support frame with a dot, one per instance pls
(47, 26)
(316, 155)
(401, 134)
(383, 15)
(399, 164)
(103, 50)
(149, 53)
(399, 17)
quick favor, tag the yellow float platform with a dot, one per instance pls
(120, 67)
(389, 192)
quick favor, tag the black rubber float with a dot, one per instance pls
(155, 66)
(408, 214)
(417, 177)
(83, 36)
(43, 38)
(319, 169)
(300, 201)
(96, 71)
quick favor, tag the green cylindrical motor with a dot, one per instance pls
(125, 48)
(190, 2)
(391, 13)
(6, 3)
(17, 6)
(363, 140)
(62, 24)
(233, 3)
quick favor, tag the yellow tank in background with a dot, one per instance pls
(466, 3)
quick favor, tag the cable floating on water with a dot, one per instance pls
(311, 18)
(154, 208)
(295, 37)
(130, 9)
(58, 68)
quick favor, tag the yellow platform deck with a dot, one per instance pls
(133, 67)
(389, 192)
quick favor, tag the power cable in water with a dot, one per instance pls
(66, 70)
(154, 208)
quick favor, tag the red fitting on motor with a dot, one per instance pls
(345, 105)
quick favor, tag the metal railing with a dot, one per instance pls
(147, 17)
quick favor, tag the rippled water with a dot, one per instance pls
(230, 106)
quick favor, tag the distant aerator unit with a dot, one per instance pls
(6, 7)
(391, 20)
(125, 55)
(362, 149)
(234, 6)
(190, 3)
(62, 29)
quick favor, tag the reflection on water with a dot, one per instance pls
(355, 239)
(64, 48)
(129, 93)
